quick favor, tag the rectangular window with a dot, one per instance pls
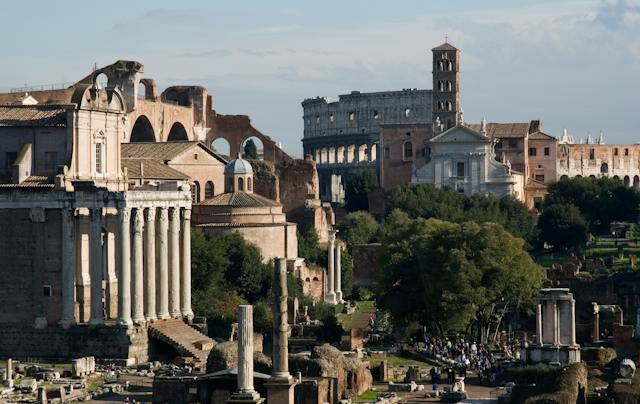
(50, 159)
(537, 202)
(387, 152)
(46, 291)
(626, 152)
(615, 151)
(331, 118)
(546, 151)
(592, 154)
(10, 158)
(532, 151)
(99, 162)
(540, 177)
(460, 169)
(375, 114)
(352, 116)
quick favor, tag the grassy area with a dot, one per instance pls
(395, 360)
(345, 319)
(599, 248)
(367, 396)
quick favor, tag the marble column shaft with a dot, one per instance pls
(138, 268)
(573, 322)
(150, 265)
(556, 323)
(68, 267)
(280, 324)
(338, 276)
(95, 241)
(174, 264)
(539, 323)
(245, 349)
(124, 256)
(331, 294)
(185, 278)
(163, 267)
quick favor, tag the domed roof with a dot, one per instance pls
(238, 166)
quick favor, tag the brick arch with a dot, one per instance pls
(177, 132)
(142, 130)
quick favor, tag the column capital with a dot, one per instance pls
(150, 214)
(174, 214)
(186, 214)
(164, 215)
(138, 221)
(124, 214)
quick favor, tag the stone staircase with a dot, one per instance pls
(185, 339)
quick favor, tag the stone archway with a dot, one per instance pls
(142, 131)
(177, 132)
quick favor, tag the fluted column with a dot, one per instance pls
(245, 354)
(124, 273)
(174, 263)
(331, 294)
(95, 241)
(556, 324)
(539, 323)
(68, 267)
(163, 267)
(150, 265)
(185, 278)
(339, 273)
(138, 269)
(573, 322)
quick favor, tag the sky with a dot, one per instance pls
(573, 64)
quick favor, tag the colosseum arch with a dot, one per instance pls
(142, 131)
(177, 132)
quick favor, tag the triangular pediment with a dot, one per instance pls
(460, 134)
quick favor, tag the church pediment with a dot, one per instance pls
(460, 134)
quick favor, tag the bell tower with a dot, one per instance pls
(446, 85)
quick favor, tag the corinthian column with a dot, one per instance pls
(539, 323)
(331, 294)
(163, 268)
(138, 286)
(95, 240)
(174, 264)
(150, 265)
(124, 256)
(339, 273)
(185, 278)
(68, 267)
(245, 393)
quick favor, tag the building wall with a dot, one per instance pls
(594, 160)
(202, 167)
(270, 240)
(396, 167)
(46, 140)
(542, 167)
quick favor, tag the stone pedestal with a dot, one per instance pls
(280, 391)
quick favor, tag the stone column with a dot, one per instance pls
(539, 323)
(185, 278)
(163, 267)
(280, 386)
(110, 265)
(338, 276)
(245, 393)
(596, 323)
(95, 240)
(150, 265)
(174, 264)
(556, 323)
(124, 257)
(331, 294)
(9, 371)
(138, 268)
(83, 265)
(68, 268)
(573, 322)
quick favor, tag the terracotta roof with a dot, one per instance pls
(163, 151)
(33, 115)
(541, 136)
(239, 200)
(445, 47)
(503, 130)
(61, 96)
(153, 169)
(33, 181)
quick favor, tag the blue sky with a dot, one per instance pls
(570, 63)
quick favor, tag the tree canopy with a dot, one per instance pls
(600, 200)
(359, 228)
(250, 150)
(445, 275)
(562, 226)
(357, 188)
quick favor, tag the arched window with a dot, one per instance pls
(195, 192)
(449, 86)
(249, 184)
(208, 190)
(240, 184)
(449, 106)
(604, 168)
(407, 151)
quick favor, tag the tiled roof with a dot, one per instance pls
(503, 130)
(163, 151)
(152, 169)
(61, 96)
(239, 200)
(33, 115)
(540, 136)
(445, 47)
(33, 181)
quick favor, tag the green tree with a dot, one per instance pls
(359, 228)
(448, 276)
(330, 330)
(600, 201)
(250, 150)
(347, 273)
(562, 226)
(427, 201)
(634, 232)
(357, 188)
(308, 247)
